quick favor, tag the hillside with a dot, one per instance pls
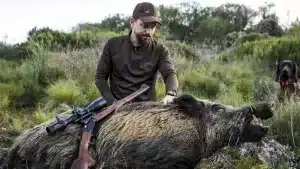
(54, 71)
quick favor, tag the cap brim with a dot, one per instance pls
(147, 19)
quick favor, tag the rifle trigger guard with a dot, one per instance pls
(85, 121)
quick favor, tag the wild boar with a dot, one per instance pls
(145, 135)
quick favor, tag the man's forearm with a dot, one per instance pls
(171, 83)
(168, 72)
(104, 89)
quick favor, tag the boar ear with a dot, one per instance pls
(190, 105)
(262, 110)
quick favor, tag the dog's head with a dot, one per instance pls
(286, 72)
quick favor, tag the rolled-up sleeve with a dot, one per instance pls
(167, 70)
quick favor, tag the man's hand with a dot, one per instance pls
(168, 99)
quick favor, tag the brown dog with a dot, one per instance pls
(287, 74)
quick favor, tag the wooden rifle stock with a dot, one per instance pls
(84, 160)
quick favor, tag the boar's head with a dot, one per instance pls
(226, 125)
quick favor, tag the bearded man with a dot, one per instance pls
(134, 59)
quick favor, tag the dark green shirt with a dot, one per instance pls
(127, 67)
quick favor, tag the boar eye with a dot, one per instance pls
(217, 108)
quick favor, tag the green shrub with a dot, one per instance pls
(270, 26)
(181, 49)
(53, 39)
(90, 91)
(252, 37)
(250, 163)
(66, 91)
(4, 104)
(265, 52)
(231, 38)
(160, 89)
(264, 88)
(8, 52)
(5, 118)
(199, 84)
(40, 116)
(234, 160)
(284, 126)
(294, 30)
(8, 71)
(76, 64)
(12, 90)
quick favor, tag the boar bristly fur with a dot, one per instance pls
(140, 135)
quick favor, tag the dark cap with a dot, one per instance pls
(146, 12)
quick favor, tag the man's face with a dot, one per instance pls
(143, 31)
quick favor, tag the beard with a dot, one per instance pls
(143, 38)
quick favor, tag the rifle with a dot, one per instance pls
(80, 115)
(84, 160)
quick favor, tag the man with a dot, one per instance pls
(131, 60)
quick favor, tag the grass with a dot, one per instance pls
(47, 83)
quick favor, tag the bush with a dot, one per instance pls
(8, 52)
(265, 52)
(18, 51)
(269, 26)
(264, 88)
(199, 84)
(12, 90)
(284, 126)
(231, 38)
(294, 30)
(90, 91)
(53, 39)
(66, 91)
(8, 71)
(252, 37)
(77, 64)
